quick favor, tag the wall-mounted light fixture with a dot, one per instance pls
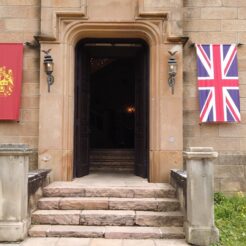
(172, 70)
(48, 67)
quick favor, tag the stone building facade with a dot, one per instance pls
(47, 119)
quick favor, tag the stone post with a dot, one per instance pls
(199, 224)
(14, 222)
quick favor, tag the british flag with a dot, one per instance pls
(218, 83)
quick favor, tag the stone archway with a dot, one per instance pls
(57, 107)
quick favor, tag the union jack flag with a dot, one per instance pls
(218, 83)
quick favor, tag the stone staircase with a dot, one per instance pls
(108, 160)
(72, 209)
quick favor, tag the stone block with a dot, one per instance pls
(235, 25)
(30, 115)
(107, 218)
(20, 11)
(202, 3)
(84, 203)
(228, 171)
(203, 25)
(232, 130)
(63, 191)
(120, 232)
(132, 204)
(218, 13)
(234, 3)
(76, 231)
(209, 131)
(11, 37)
(231, 185)
(192, 13)
(49, 203)
(165, 205)
(66, 4)
(16, 25)
(217, 184)
(191, 131)
(39, 230)
(108, 192)
(213, 37)
(60, 217)
(172, 232)
(144, 218)
(30, 89)
(191, 103)
(30, 102)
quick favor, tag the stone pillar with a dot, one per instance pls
(14, 222)
(199, 224)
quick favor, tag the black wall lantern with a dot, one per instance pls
(48, 67)
(172, 70)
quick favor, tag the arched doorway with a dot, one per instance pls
(111, 101)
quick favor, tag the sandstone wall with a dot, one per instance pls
(216, 21)
(19, 22)
(205, 21)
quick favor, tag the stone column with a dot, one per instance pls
(14, 222)
(199, 224)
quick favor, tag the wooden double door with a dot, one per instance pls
(111, 78)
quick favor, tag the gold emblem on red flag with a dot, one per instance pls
(6, 81)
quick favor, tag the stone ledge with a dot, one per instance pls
(36, 179)
(180, 177)
(15, 149)
(200, 153)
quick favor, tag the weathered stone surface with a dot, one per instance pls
(49, 203)
(108, 192)
(107, 217)
(144, 218)
(133, 204)
(62, 217)
(83, 203)
(76, 231)
(172, 232)
(121, 232)
(166, 204)
(63, 191)
(39, 230)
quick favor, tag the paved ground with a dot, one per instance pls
(96, 242)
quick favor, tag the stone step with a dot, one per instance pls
(107, 218)
(99, 203)
(73, 189)
(112, 154)
(103, 169)
(110, 232)
(112, 163)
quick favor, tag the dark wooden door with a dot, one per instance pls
(141, 114)
(82, 94)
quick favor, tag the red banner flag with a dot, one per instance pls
(11, 57)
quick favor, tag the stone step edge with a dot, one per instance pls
(109, 191)
(107, 218)
(109, 232)
(108, 203)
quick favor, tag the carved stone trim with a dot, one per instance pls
(150, 14)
